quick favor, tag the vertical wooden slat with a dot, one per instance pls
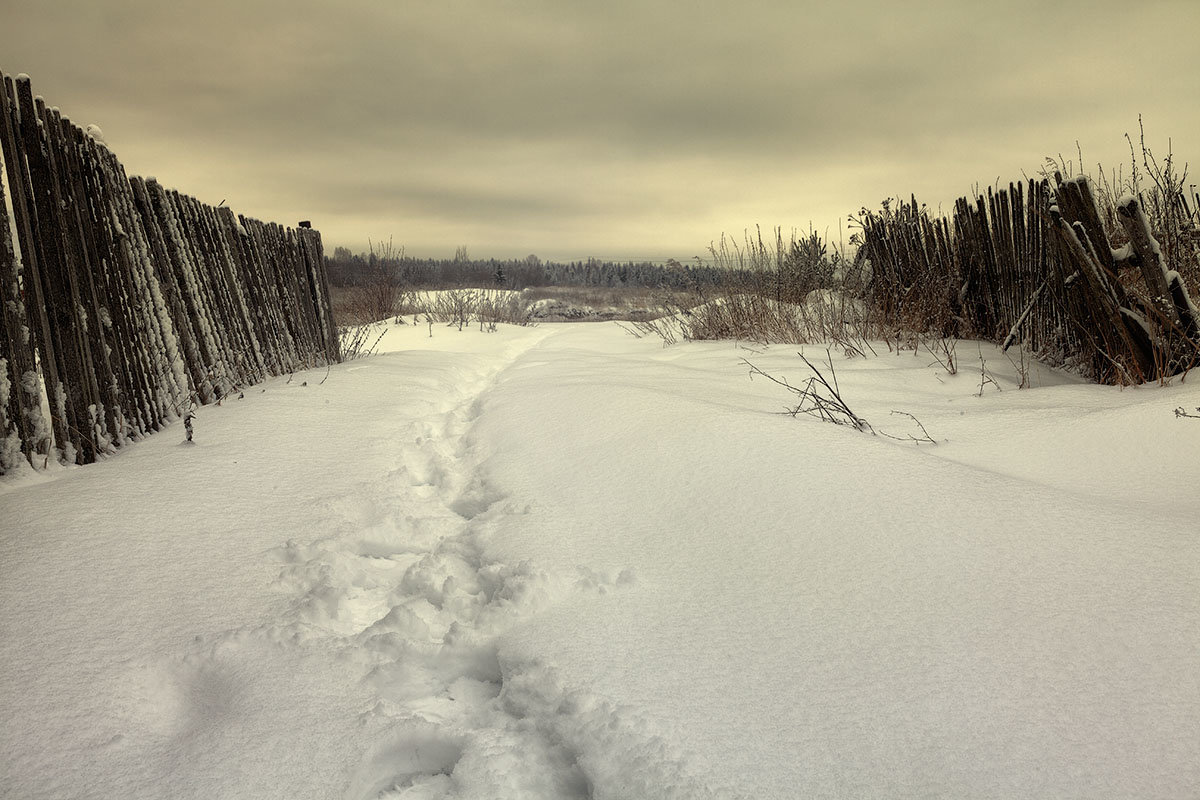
(315, 254)
(262, 323)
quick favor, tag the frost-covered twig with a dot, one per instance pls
(833, 406)
(924, 437)
(985, 377)
(944, 352)
(819, 396)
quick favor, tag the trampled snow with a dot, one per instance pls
(565, 562)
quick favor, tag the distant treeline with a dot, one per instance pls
(358, 269)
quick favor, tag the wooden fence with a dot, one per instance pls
(1038, 262)
(124, 302)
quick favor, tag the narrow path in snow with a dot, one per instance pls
(306, 602)
(417, 606)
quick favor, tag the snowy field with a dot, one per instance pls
(565, 562)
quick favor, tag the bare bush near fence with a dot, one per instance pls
(825, 316)
(748, 317)
(795, 292)
(358, 341)
(377, 301)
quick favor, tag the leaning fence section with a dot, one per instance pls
(1040, 262)
(124, 302)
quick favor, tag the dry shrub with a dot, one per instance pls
(341, 300)
(358, 341)
(377, 301)
(778, 292)
(826, 315)
(509, 308)
(464, 307)
(454, 307)
(382, 295)
(745, 317)
(820, 396)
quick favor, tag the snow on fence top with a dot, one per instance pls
(124, 302)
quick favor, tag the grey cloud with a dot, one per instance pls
(551, 115)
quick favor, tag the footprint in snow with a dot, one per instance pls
(412, 759)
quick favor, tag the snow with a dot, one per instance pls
(10, 448)
(10, 440)
(561, 561)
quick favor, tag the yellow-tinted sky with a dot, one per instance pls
(613, 128)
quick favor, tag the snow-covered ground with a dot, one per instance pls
(565, 562)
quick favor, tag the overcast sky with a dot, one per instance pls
(613, 128)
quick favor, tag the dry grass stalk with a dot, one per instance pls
(821, 397)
